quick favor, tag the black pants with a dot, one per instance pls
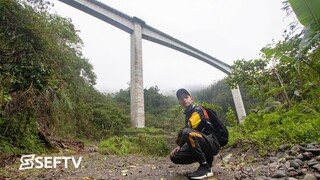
(198, 148)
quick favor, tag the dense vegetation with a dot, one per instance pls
(47, 86)
(45, 82)
(285, 81)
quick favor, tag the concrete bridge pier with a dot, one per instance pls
(136, 83)
(241, 112)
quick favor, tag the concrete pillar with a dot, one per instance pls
(241, 112)
(136, 82)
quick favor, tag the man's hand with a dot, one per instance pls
(175, 151)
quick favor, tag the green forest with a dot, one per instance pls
(47, 89)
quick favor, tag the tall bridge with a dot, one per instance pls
(140, 30)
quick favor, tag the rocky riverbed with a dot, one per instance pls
(301, 161)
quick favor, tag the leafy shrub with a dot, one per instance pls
(269, 130)
(141, 143)
(116, 145)
(152, 145)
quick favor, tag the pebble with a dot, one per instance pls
(300, 156)
(279, 174)
(316, 167)
(310, 146)
(312, 162)
(307, 155)
(273, 166)
(315, 151)
(293, 173)
(294, 164)
(273, 159)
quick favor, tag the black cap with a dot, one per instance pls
(182, 92)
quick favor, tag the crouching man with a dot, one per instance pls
(195, 143)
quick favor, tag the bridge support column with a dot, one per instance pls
(136, 82)
(241, 112)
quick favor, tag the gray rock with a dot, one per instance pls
(279, 174)
(312, 162)
(291, 169)
(299, 161)
(281, 154)
(273, 159)
(300, 156)
(294, 164)
(309, 177)
(310, 146)
(293, 173)
(296, 149)
(284, 166)
(307, 155)
(273, 166)
(316, 167)
(290, 158)
(314, 151)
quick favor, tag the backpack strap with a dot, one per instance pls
(205, 113)
(207, 122)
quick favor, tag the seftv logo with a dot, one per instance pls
(31, 161)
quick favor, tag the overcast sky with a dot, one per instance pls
(228, 30)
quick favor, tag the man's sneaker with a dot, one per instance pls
(204, 171)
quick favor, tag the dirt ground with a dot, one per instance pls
(234, 165)
(97, 166)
